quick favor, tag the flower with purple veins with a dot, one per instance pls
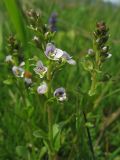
(60, 94)
(43, 88)
(52, 52)
(40, 69)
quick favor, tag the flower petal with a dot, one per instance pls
(49, 50)
(71, 61)
(68, 58)
(58, 53)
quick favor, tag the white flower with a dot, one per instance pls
(40, 69)
(18, 71)
(54, 53)
(68, 58)
(43, 88)
(9, 58)
(60, 94)
(58, 53)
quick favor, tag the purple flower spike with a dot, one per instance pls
(53, 21)
(60, 94)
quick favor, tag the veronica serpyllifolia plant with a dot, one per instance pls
(39, 74)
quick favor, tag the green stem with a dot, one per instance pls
(52, 155)
(89, 138)
(50, 129)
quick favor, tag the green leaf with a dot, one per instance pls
(40, 134)
(8, 81)
(22, 151)
(56, 137)
(42, 152)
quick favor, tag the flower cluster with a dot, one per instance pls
(100, 50)
(20, 72)
(101, 37)
(42, 72)
(93, 62)
(52, 22)
(15, 59)
(53, 54)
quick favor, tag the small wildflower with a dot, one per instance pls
(9, 58)
(40, 69)
(90, 51)
(52, 52)
(43, 88)
(18, 71)
(60, 94)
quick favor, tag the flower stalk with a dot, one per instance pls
(98, 55)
